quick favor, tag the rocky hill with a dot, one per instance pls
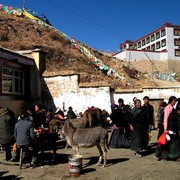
(64, 57)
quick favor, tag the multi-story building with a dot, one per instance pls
(161, 44)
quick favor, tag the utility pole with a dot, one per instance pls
(24, 5)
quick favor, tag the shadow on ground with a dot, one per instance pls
(47, 159)
(151, 149)
(110, 162)
(8, 177)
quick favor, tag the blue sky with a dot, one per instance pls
(104, 24)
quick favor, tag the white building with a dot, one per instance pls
(161, 44)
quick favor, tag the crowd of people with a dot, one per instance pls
(24, 131)
(131, 128)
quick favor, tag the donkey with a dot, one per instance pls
(87, 137)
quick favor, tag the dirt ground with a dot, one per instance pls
(122, 164)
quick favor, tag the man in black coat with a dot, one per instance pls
(150, 112)
(7, 122)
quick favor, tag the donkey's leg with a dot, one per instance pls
(104, 149)
(101, 155)
(76, 149)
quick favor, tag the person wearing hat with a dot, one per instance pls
(170, 150)
(7, 123)
(161, 119)
(25, 137)
(71, 114)
(118, 138)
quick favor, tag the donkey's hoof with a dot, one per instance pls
(98, 164)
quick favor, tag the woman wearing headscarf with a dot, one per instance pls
(118, 139)
(139, 129)
(171, 150)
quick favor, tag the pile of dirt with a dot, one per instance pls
(149, 68)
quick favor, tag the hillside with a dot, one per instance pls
(63, 57)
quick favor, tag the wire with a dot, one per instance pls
(88, 20)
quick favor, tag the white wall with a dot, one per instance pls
(66, 92)
(170, 43)
(131, 55)
(152, 93)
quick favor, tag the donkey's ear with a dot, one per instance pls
(66, 123)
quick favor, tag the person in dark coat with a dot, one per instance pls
(7, 123)
(24, 131)
(150, 112)
(38, 117)
(139, 128)
(125, 110)
(118, 138)
(171, 150)
(71, 114)
(178, 113)
(161, 119)
(25, 136)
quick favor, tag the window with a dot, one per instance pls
(147, 40)
(12, 81)
(177, 42)
(177, 32)
(163, 32)
(143, 42)
(148, 48)
(152, 37)
(157, 35)
(135, 46)
(158, 45)
(177, 52)
(163, 43)
(153, 47)
(139, 44)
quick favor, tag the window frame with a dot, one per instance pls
(139, 44)
(143, 42)
(175, 53)
(178, 32)
(162, 41)
(147, 40)
(148, 48)
(158, 45)
(153, 49)
(152, 37)
(17, 81)
(175, 40)
(157, 35)
(163, 32)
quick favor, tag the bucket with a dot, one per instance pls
(75, 165)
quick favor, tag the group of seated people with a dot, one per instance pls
(25, 131)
